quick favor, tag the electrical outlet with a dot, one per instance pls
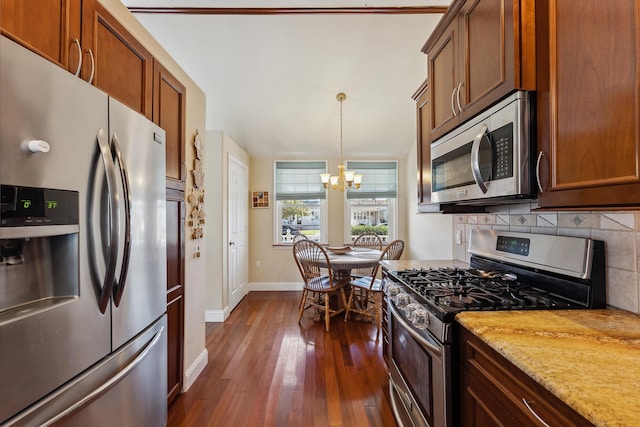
(258, 264)
(458, 237)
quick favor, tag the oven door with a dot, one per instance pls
(420, 374)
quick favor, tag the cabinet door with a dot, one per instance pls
(47, 27)
(493, 391)
(175, 291)
(480, 408)
(424, 144)
(588, 103)
(486, 54)
(123, 67)
(169, 114)
(442, 71)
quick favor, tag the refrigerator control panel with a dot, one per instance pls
(25, 206)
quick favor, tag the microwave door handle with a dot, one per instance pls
(114, 221)
(475, 161)
(124, 176)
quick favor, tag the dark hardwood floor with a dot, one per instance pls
(267, 370)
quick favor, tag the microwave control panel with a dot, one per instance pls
(26, 206)
(503, 151)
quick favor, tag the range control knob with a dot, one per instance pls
(421, 318)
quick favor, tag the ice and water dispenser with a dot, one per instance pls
(39, 260)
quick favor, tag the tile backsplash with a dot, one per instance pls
(620, 230)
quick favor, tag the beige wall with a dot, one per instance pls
(195, 269)
(429, 234)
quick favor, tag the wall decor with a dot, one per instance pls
(195, 199)
(260, 199)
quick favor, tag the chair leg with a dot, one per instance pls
(348, 303)
(303, 300)
(327, 316)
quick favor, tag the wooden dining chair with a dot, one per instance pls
(367, 292)
(319, 283)
(394, 249)
(371, 241)
(368, 241)
(299, 237)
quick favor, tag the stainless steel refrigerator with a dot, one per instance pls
(83, 254)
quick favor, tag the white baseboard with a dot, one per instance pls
(196, 368)
(216, 316)
(275, 286)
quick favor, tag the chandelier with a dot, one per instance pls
(344, 179)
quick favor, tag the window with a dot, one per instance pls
(372, 208)
(300, 201)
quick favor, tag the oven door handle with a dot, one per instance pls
(475, 160)
(430, 344)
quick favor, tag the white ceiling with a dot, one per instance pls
(271, 80)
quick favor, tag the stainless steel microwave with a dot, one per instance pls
(488, 157)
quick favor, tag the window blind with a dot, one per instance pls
(379, 180)
(299, 180)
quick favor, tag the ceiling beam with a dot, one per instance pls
(288, 10)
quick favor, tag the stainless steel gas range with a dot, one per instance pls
(507, 271)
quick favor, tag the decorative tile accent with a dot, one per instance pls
(615, 221)
(522, 220)
(502, 219)
(486, 219)
(472, 219)
(547, 220)
(461, 219)
(578, 220)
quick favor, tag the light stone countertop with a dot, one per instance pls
(590, 359)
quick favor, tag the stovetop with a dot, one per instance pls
(451, 290)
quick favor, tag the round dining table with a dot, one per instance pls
(342, 264)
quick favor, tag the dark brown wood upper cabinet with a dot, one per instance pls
(588, 103)
(61, 30)
(480, 51)
(123, 67)
(169, 106)
(51, 28)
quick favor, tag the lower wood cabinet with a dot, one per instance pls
(175, 290)
(494, 392)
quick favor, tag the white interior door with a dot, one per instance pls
(237, 267)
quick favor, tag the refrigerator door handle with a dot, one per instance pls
(114, 221)
(124, 176)
(107, 385)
